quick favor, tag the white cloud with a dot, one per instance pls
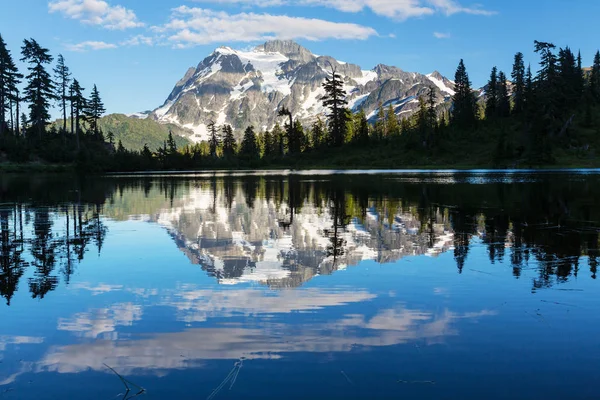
(91, 45)
(395, 9)
(96, 12)
(450, 7)
(441, 35)
(197, 26)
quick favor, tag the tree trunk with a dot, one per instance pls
(72, 115)
(17, 133)
(12, 121)
(77, 128)
(64, 107)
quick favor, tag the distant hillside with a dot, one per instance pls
(135, 132)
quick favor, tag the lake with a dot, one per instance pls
(314, 285)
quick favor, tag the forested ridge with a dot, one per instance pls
(541, 114)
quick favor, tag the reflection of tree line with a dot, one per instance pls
(542, 220)
(49, 235)
(553, 221)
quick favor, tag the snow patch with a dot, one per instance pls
(367, 76)
(440, 84)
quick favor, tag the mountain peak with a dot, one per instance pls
(288, 48)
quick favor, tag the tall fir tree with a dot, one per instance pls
(318, 133)
(594, 84)
(362, 128)
(249, 147)
(94, 110)
(62, 77)
(9, 79)
(214, 141)
(40, 89)
(503, 96)
(528, 95)
(491, 102)
(380, 123)
(78, 107)
(279, 138)
(431, 117)
(464, 111)
(229, 143)
(335, 101)
(518, 80)
(392, 126)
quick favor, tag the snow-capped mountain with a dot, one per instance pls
(243, 88)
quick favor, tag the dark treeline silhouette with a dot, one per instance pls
(542, 118)
(547, 225)
(26, 137)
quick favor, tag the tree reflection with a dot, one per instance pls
(301, 226)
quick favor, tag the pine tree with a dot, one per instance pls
(268, 144)
(296, 138)
(464, 112)
(214, 141)
(9, 78)
(380, 123)
(503, 96)
(279, 138)
(78, 107)
(518, 79)
(431, 116)
(595, 78)
(94, 110)
(335, 101)
(62, 76)
(318, 133)
(362, 131)
(547, 72)
(249, 147)
(40, 89)
(528, 93)
(392, 126)
(579, 73)
(171, 146)
(422, 122)
(491, 102)
(229, 144)
(24, 124)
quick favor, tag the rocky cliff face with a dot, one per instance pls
(243, 88)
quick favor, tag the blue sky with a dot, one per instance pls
(136, 50)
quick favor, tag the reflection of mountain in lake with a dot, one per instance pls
(284, 230)
(284, 245)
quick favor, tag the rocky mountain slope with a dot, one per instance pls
(245, 88)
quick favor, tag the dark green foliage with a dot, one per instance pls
(229, 143)
(362, 129)
(214, 141)
(594, 84)
(249, 148)
(9, 78)
(94, 110)
(519, 83)
(503, 110)
(491, 102)
(335, 101)
(40, 89)
(62, 76)
(464, 111)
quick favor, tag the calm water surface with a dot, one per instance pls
(313, 286)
